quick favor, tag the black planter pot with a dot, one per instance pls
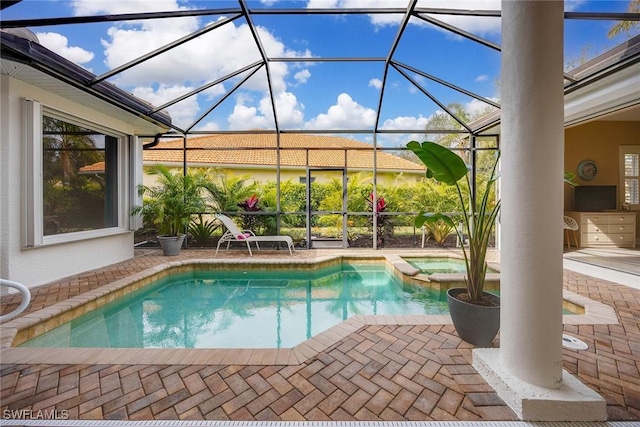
(475, 324)
(171, 245)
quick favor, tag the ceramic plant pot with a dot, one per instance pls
(171, 245)
(475, 324)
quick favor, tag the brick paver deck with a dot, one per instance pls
(378, 372)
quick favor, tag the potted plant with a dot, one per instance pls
(475, 313)
(169, 204)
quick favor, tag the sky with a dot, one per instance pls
(308, 95)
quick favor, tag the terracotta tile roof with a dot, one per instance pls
(93, 168)
(254, 150)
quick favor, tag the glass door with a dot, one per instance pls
(326, 208)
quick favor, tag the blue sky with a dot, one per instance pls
(308, 95)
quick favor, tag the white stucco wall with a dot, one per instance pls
(40, 265)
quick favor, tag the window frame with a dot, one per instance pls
(32, 203)
(624, 150)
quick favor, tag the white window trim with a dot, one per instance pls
(626, 149)
(32, 204)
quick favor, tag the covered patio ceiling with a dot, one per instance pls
(390, 61)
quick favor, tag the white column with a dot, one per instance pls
(526, 371)
(532, 190)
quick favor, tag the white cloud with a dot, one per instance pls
(482, 78)
(290, 111)
(210, 125)
(474, 24)
(244, 117)
(225, 50)
(375, 83)
(354, 4)
(571, 5)
(183, 113)
(302, 76)
(345, 114)
(60, 45)
(206, 58)
(402, 122)
(94, 7)
(406, 122)
(474, 107)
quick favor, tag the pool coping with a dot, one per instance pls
(33, 324)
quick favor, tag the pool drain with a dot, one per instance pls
(573, 343)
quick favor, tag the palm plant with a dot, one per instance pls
(479, 216)
(172, 200)
(226, 191)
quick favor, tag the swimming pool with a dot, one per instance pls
(432, 265)
(243, 309)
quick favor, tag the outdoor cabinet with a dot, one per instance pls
(600, 229)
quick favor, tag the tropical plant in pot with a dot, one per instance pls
(170, 203)
(475, 313)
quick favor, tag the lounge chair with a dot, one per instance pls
(234, 234)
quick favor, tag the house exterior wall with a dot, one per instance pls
(259, 174)
(598, 141)
(39, 265)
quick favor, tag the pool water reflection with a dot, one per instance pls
(243, 309)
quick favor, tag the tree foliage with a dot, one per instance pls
(627, 27)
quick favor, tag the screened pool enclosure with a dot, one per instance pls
(299, 113)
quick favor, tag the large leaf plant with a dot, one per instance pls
(478, 216)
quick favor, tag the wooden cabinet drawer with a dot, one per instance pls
(596, 228)
(597, 239)
(622, 219)
(621, 228)
(594, 219)
(617, 239)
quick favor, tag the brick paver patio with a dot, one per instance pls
(378, 372)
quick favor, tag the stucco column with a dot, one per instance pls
(532, 190)
(526, 371)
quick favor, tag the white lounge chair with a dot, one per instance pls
(234, 234)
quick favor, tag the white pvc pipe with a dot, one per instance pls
(26, 298)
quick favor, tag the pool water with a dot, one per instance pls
(243, 309)
(440, 265)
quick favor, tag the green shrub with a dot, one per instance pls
(439, 231)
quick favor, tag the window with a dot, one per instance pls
(630, 175)
(80, 185)
(303, 179)
(74, 183)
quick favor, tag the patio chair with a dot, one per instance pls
(571, 224)
(234, 234)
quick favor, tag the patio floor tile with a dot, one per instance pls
(375, 371)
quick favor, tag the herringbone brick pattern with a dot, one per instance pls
(376, 373)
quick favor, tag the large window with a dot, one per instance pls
(630, 175)
(80, 172)
(75, 178)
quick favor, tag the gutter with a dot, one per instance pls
(36, 56)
